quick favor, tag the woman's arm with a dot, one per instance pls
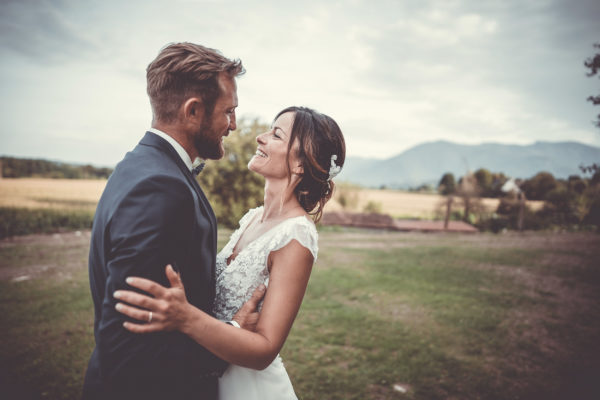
(290, 270)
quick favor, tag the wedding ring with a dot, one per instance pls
(150, 317)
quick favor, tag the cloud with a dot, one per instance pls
(393, 74)
(42, 31)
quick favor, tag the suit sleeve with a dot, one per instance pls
(150, 228)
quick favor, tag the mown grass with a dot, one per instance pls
(444, 316)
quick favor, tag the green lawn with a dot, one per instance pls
(514, 316)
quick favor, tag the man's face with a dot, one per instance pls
(209, 140)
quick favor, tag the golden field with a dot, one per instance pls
(84, 194)
(400, 204)
(51, 193)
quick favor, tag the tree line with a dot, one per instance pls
(12, 167)
(573, 202)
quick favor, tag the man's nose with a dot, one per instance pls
(232, 123)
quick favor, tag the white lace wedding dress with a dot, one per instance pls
(235, 284)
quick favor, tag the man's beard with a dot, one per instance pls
(206, 143)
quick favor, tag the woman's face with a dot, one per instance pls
(271, 155)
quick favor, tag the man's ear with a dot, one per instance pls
(193, 109)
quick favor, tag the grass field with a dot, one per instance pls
(513, 316)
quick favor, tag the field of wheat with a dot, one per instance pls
(401, 204)
(84, 194)
(51, 193)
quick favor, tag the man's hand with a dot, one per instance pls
(248, 315)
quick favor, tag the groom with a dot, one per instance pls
(153, 213)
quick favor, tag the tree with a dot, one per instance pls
(469, 193)
(593, 64)
(576, 184)
(447, 184)
(485, 181)
(537, 187)
(447, 187)
(230, 186)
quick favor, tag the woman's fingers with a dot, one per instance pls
(173, 277)
(146, 285)
(136, 313)
(159, 308)
(137, 299)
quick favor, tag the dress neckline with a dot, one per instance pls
(257, 209)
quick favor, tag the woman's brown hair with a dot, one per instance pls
(319, 138)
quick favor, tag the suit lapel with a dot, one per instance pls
(150, 139)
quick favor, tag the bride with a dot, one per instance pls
(275, 246)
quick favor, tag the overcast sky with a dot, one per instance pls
(392, 73)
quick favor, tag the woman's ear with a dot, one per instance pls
(298, 170)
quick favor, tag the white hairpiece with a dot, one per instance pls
(334, 169)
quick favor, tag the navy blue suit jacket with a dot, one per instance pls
(152, 213)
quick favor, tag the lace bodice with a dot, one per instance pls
(237, 281)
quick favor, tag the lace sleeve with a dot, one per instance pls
(300, 229)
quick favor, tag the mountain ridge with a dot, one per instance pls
(425, 163)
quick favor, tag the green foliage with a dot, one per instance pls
(484, 180)
(484, 183)
(447, 184)
(593, 64)
(230, 186)
(11, 167)
(576, 184)
(490, 183)
(573, 203)
(537, 187)
(24, 221)
(561, 207)
(424, 188)
(507, 215)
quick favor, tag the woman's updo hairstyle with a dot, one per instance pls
(319, 138)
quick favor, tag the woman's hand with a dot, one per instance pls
(167, 310)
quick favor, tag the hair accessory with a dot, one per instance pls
(334, 169)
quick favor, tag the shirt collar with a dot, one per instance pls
(185, 157)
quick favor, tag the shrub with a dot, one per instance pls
(24, 221)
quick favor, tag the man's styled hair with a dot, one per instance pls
(184, 70)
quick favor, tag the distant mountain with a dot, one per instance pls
(426, 163)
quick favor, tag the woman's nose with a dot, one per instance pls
(261, 138)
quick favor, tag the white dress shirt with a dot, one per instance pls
(185, 157)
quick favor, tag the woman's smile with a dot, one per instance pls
(261, 153)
